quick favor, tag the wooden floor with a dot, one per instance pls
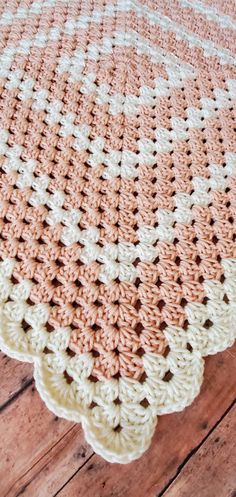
(193, 453)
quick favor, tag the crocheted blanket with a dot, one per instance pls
(118, 205)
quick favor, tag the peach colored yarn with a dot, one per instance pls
(118, 197)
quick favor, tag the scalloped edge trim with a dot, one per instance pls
(203, 342)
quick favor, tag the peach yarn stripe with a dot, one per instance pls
(117, 205)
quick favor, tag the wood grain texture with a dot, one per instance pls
(14, 376)
(176, 436)
(56, 466)
(211, 471)
(28, 431)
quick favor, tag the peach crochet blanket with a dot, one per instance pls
(118, 205)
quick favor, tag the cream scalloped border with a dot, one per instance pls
(73, 401)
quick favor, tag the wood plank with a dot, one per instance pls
(176, 436)
(56, 466)
(28, 431)
(211, 471)
(14, 376)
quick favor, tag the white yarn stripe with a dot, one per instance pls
(76, 63)
(116, 259)
(36, 8)
(177, 72)
(196, 119)
(127, 39)
(118, 103)
(71, 27)
(225, 21)
(210, 48)
(124, 163)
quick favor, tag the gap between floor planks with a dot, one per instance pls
(215, 460)
(15, 376)
(64, 458)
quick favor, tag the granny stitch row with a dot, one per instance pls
(117, 205)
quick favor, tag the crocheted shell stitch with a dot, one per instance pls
(118, 205)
